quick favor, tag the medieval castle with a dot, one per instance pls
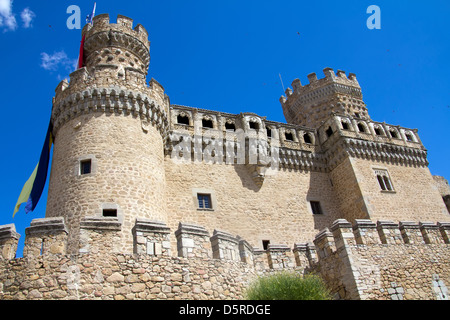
(150, 200)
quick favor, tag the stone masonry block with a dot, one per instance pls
(9, 239)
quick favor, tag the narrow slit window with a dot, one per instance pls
(409, 137)
(315, 207)
(384, 180)
(204, 201)
(207, 123)
(269, 133)
(381, 182)
(85, 166)
(265, 244)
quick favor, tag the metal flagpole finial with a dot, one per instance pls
(90, 17)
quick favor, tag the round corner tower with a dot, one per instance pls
(109, 128)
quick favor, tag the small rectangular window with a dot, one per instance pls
(315, 207)
(265, 244)
(204, 201)
(110, 212)
(85, 166)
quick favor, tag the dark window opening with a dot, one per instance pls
(381, 182)
(183, 120)
(361, 128)
(394, 134)
(307, 138)
(266, 244)
(207, 123)
(409, 137)
(387, 183)
(344, 125)
(329, 132)
(289, 136)
(269, 133)
(85, 166)
(377, 131)
(204, 201)
(110, 212)
(357, 115)
(253, 125)
(384, 182)
(230, 126)
(316, 208)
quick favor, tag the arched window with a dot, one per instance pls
(383, 180)
(183, 119)
(206, 123)
(253, 125)
(393, 133)
(409, 136)
(307, 138)
(361, 127)
(289, 136)
(230, 126)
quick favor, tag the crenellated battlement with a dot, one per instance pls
(313, 103)
(103, 34)
(113, 77)
(348, 84)
(354, 259)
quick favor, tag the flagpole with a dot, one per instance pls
(89, 20)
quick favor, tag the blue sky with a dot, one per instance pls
(227, 56)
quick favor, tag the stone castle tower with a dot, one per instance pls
(152, 200)
(101, 119)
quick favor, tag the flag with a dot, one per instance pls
(32, 190)
(89, 19)
(91, 16)
(81, 55)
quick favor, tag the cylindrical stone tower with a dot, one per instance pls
(109, 129)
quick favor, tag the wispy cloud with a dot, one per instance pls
(27, 17)
(7, 19)
(57, 61)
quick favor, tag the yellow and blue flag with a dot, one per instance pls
(32, 190)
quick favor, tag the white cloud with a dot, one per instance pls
(7, 18)
(27, 17)
(53, 62)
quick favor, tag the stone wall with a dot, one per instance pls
(385, 260)
(382, 260)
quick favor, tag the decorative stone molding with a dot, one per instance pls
(115, 100)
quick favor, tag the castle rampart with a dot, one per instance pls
(368, 260)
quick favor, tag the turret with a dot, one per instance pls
(313, 103)
(109, 128)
